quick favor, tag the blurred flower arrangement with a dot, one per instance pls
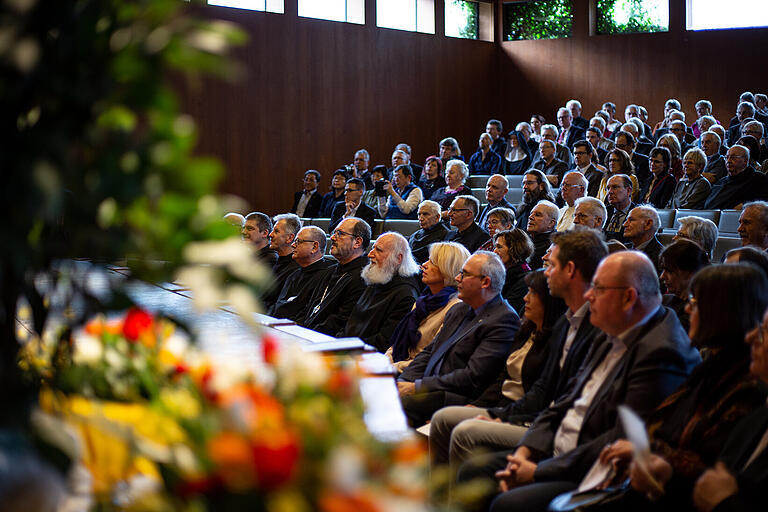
(147, 407)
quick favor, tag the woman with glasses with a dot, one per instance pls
(618, 163)
(663, 184)
(499, 219)
(670, 142)
(689, 428)
(416, 330)
(514, 248)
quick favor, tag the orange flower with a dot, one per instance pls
(276, 463)
(137, 323)
(340, 384)
(231, 454)
(410, 451)
(100, 326)
(338, 502)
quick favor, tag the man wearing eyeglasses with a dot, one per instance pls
(642, 357)
(742, 184)
(469, 351)
(308, 250)
(353, 206)
(574, 187)
(462, 214)
(332, 301)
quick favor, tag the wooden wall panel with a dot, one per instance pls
(315, 91)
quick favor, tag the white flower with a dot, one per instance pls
(88, 349)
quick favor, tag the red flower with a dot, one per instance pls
(137, 322)
(269, 348)
(275, 462)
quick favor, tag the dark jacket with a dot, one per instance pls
(364, 212)
(284, 267)
(428, 187)
(732, 191)
(594, 178)
(267, 256)
(716, 165)
(472, 238)
(661, 191)
(541, 243)
(575, 134)
(690, 194)
(642, 172)
(332, 301)
(615, 235)
(293, 301)
(653, 250)
(555, 168)
(491, 164)
(330, 200)
(423, 238)
(658, 359)
(313, 206)
(514, 286)
(379, 309)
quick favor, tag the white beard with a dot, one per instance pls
(375, 274)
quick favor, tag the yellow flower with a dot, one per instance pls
(180, 402)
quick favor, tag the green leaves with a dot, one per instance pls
(540, 19)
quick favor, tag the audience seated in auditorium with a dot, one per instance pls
(582, 152)
(742, 184)
(662, 127)
(601, 142)
(638, 115)
(619, 163)
(678, 129)
(715, 168)
(361, 162)
(761, 104)
(470, 349)
(308, 251)
(747, 97)
(495, 129)
(432, 178)
(307, 202)
(416, 169)
(753, 225)
(691, 191)
(391, 279)
(720, 131)
(449, 150)
(679, 261)
(619, 203)
(518, 157)
(353, 205)
(745, 112)
(514, 247)
(670, 142)
(284, 231)
(640, 166)
(526, 130)
(462, 215)
(335, 195)
(496, 189)
(431, 230)
(456, 174)
(568, 132)
(590, 212)
(574, 187)
(332, 300)
(699, 230)
(417, 329)
(499, 219)
(485, 160)
(562, 153)
(643, 145)
(594, 137)
(574, 107)
(256, 229)
(369, 196)
(756, 130)
(404, 196)
(535, 188)
(552, 168)
(689, 428)
(642, 357)
(541, 224)
(572, 262)
(640, 229)
(663, 184)
(754, 255)
(399, 157)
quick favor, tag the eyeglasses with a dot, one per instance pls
(351, 190)
(530, 182)
(302, 241)
(572, 186)
(452, 209)
(600, 288)
(337, 233)
(464, 274)
(580, 153)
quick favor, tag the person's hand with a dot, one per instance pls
(519, 471)
(406, 388)
(651, 483)
(486, 418)
(713, 486)
(621, 450)
(388, 188)
(349, 206)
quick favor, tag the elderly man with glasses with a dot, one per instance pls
(462, 214)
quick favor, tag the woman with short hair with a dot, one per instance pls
(514, 248)
(456, 174)
(691, 191)
(663, 184)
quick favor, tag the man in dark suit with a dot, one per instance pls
(469, 351)
(307, 202)
(541, 225)
(742, 184)
(574, 107)
(496, 189)
(582, 153)
(494, 128)
(569, 133)
(619, 199)
(640, 229)
(256, 229)
(456, 432)
(715, 168)
(353, 206)
(462, 214)
(431, 231)
(643, 356)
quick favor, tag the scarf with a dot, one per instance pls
(407, 335)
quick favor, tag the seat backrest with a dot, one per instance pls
(713, 215)
(479, 194)
(477, 181)
(322, 223)
(515, 195)
(723, 245)
(729, 222)
(667, 218)
(377, 228)
(403, 226)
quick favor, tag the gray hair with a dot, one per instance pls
(600, 121)
(697, 156)
(677, 115)
(470, 202)
(563, 109)
(582, 179)
(755, 123)
(631, 128)
(552, 210)
(762, 207)
(431, 206)
(493, 268)
(408, 267)
(594, 206)
(673, 142)
(713, 134)
(706, 103)
(749, 106)
(405, 147)
(449, 258)
(450, 141)
(550, 127)
(648, 211)
(638, 123)
(710, 120)
(505, 215)
(743, 149)
(573, 102)
(364, 152)
(461, 165)
(316, 234)
(292, 221)
(523, 124)
(673, 102)
(700, 230)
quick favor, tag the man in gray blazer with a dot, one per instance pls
(469, 351)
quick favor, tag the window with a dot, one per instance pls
(632, 16)
(538, 19)
(350, 11)
(461, 19)
(413, 15)
(714, 14)
(277, 6)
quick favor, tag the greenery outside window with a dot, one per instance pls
(538, 19)
(462, 19)
(277, 6)
(632, 16)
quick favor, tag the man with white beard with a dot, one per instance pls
(391, 289)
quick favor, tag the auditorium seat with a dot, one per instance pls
(713, 215)
(321, 222)
(667, 218)
(515, 180)
(723, 245)
(479, 194)
(402, 226)
(377, 228)
(729, 222)
(515, 195)
(477, 181)
(665, 238)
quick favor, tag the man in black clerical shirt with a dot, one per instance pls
(432, 230)
(462, 214)
(333, 300)
(281, 239)
(308, 250)
(256, 229)
(496, 189)
(742, 184)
